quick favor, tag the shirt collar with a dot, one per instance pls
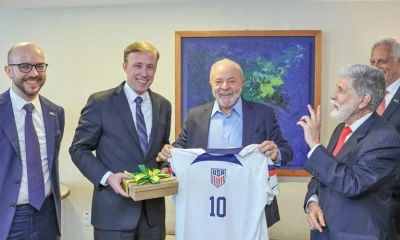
(19, 103)
(238, 107)
(131, 95)
(360, 121)
(392, 88)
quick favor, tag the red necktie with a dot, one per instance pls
(382, 106)
(345, 132)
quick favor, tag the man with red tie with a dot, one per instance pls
(349, 195)
(385, 55)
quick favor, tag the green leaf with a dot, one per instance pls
(143, 169)
(164, 175)
(154, 178)
(153, 181)
(139, 176)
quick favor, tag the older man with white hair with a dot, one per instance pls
(385, 55)
(231, 121)
(349, 196)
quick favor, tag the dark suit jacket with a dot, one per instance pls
(259, 124)
(10, 158)
(354, 188)
(106, 125)
(392, 115)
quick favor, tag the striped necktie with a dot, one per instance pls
(141, 125)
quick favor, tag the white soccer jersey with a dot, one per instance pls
(222, 196)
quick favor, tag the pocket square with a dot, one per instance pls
(52, 113)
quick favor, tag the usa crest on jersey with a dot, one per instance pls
(218, 176)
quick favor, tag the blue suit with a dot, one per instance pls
(259, 124)
(10, 160)
(355, 187)
(392, 115)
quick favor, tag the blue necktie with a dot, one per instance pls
(141, 125)
(33, 161)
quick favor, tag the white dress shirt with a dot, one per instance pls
(18, 104)
(392, 89)
(353, 127)
(147, 110)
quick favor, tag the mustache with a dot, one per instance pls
(335, 104)
(222, 92)
(38, 78)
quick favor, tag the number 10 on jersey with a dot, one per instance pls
(220, 203)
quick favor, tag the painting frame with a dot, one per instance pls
(181, 35)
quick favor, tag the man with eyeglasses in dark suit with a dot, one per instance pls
(31, 129)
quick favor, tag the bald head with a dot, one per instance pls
(22, 48)
(27, 69)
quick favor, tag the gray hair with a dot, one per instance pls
(366, 79)
(225, 60)
(389, 41)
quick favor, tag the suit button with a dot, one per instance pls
(321, 206)
(12, 206)
(17, 181)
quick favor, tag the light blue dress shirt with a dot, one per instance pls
(226, 130)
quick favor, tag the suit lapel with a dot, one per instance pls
(49, 121)
(205, 118)
(122, 104)
(156, 109)
(248, 122)
(355, 138)
(393, 105)
(7, 121)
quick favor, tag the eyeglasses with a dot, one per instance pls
(27, 67)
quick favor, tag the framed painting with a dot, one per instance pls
(282, 69)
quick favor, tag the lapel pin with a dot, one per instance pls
(52, 113)
(396, 100)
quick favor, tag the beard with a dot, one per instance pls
(343, 112)
(26, 89)
(226, 103)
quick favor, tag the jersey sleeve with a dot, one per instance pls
(272, 182)
(263, 169)
(181, 159)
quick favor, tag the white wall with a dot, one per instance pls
(84, 48)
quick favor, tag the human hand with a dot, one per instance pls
(311, 126)
(115, 180)
(315, 217)
(269, 149)
(165, 170)
(165, 153)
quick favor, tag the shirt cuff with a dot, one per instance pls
(104, 178)
(313, 198)
(278, 162)
(312, 150)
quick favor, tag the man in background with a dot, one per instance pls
(231, 121)
(31, 129)
(385, 55)
(126, 126)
